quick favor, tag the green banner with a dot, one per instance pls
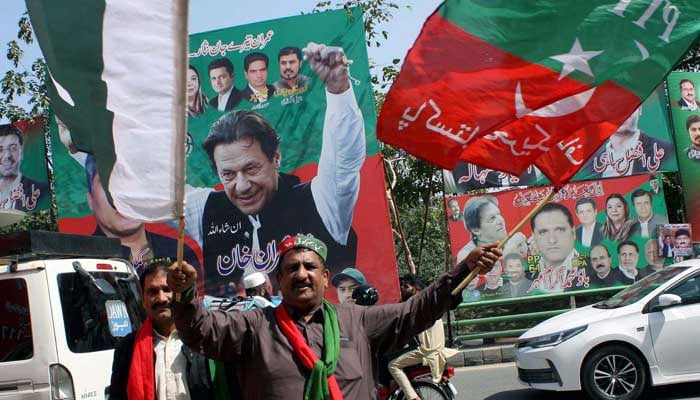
(685, 112)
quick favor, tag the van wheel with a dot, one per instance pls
(614, 373)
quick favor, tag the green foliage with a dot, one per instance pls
(691, 60)
(42, 220)
(428, 249)
(21, 81)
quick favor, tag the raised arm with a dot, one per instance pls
(390, 326)
(208, 332)
(336, 186)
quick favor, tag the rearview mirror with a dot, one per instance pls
(667, 300)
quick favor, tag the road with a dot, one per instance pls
(499, 382)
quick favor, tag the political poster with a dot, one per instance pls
(23, 175)
(674, 240)
(273, 149)
(642, 145)
(593, 234)
(685, 113)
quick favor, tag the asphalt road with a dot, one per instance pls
(499, 382)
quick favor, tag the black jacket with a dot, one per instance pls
(198, 378)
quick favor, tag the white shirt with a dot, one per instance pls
(336, 186)
(170, 368)
(223, 99)
(645, 227)
(587, 235)
(259, 95)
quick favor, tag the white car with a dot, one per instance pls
(645, 335)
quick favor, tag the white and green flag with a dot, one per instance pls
(117, 72)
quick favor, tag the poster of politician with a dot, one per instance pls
(685, 113)
(23, 175)
(280, 141)
(593, 234)
(642, 145)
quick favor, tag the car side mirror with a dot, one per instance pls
(667, 300)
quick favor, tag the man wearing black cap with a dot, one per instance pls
(332, 357)
(346, 282)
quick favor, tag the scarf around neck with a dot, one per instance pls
(141, 384)
(322, 384)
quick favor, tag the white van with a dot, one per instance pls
(61, 315)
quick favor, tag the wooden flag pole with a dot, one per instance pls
(180, 247)
(512, 232)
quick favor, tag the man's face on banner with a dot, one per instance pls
(248, 175)
(454, 208)
(10, 156)
(515, 270)
(629, 257)
(688, 92)
(586, 213)
(493, 277)
(683, 241)
(651, 253)
(694, 134)
(600, 260)
(221, 80)
(256, 74)
(629, 127)
(106, 216)
(492, 226)
(642, 205)
(289, 66)
(554, 237)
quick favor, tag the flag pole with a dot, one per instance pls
(512, 232)
(181, 33)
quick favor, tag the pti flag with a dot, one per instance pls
(505, 84)
(117, 81)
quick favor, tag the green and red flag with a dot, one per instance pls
(508, 84)
(117, 73)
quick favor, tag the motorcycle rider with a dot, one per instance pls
(431, 350)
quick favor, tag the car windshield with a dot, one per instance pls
(96, 318)
(641, 288)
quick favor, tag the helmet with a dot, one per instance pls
(365, 295)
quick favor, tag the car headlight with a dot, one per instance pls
(552, 339)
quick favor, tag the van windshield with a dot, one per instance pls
(94, 318)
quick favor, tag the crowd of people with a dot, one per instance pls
(305, 347)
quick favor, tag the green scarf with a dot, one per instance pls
(322, 384)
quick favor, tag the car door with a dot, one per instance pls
(675, 330)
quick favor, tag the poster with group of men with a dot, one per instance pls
(608, 227)
(272, 151)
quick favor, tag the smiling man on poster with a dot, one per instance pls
(240, 227)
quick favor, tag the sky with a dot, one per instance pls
(205, 15)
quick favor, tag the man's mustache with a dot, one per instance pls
(298, 285)
(160, 304)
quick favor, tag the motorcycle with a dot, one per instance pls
(422, 381)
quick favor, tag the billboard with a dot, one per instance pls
(23, 176)
(685, 113)
(642, 145)
(593, 234)
(272, 150)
